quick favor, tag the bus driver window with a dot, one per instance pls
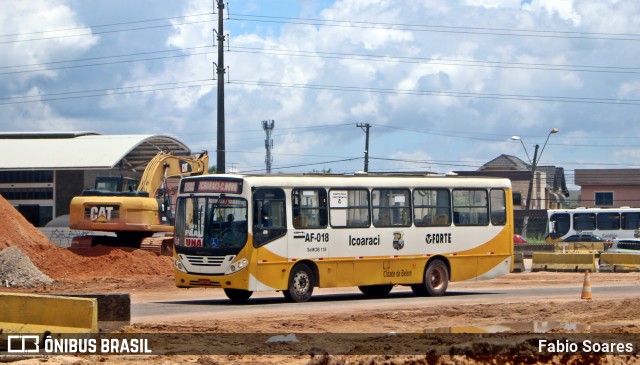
(268, 215)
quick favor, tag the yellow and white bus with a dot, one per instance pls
(292, 233)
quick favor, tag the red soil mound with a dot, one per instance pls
(62, 263)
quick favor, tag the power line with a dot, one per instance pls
(337, 55)
(102, 32)
(328, 55)
(103, 25)
(102, 57)
(106, 63)
(441, 163)
(106, 92)
(437, 61)
(306, 165)
(439, 28)
(353, 24)
(562, 99)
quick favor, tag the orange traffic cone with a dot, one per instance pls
(586, 287)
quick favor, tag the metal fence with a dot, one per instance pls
(60, 236)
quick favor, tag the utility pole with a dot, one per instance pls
(534, 165)
(365, 127)
(268, 126)
(220, 161)
(525, 219)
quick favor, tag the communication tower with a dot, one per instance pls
(268, 126)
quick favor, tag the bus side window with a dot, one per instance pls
(432, 207)
(309, 208)
(498, 207)
(391, 207)
(608, 221)
(584, 221)
(269, 221)
(349, 208)
(470, 207)
(631, 220)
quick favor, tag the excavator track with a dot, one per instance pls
(159, 245)
(81, 242)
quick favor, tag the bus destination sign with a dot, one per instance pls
(212, 186)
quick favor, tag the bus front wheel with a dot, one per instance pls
(301, 283)
(435, 281)
(238, 295)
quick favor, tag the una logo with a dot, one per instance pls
(100, 214)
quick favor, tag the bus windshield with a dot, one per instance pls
(212, 222)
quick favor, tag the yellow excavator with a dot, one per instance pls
(134, 215)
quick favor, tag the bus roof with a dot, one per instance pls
(382, 180)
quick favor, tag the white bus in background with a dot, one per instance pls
(608, 223)
(292, 233)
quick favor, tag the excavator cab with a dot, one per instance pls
(116, 183)
(115, 186)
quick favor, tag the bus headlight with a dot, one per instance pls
(178, 265)
(237, 266)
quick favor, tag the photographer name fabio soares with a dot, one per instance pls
(588, 346)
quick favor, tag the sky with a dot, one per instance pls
(444, 85)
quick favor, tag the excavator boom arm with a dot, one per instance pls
(166, 164)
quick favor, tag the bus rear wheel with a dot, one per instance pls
(376, 291)
(435, 281)
(238, 295)
(301, 283)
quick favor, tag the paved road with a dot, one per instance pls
(212, 303)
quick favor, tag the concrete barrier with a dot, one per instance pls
(619, 262)
(571, 262)
(114, 309)
(32, 313)
(518, 262)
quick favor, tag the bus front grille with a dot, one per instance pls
(207, 261)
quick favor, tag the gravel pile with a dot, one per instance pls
(17, 270)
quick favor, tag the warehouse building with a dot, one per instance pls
(41, 172)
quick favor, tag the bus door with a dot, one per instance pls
(559, 225)
(269, 225)
(310, 236)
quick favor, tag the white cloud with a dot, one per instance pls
(40, 31)
(629, 90)
(416, 160)
(492, 4)
(435, 45)
(565, 10)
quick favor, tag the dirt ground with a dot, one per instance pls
(599, 315)
(146, 276)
